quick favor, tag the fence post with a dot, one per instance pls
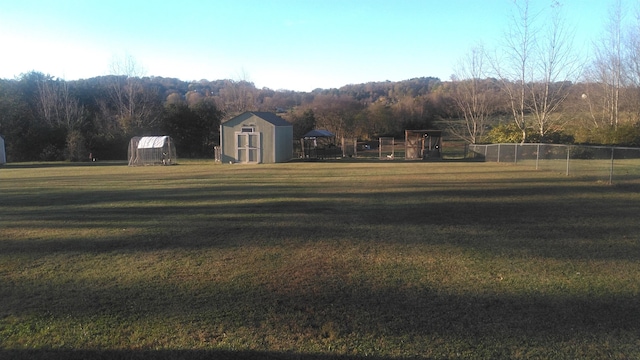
(568, 152)
(537, 155)
(611, 167)
(515, 156)
(498, 152)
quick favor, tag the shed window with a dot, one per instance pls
(247, 129)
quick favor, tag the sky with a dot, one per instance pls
(295, 45)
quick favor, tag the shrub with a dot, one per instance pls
(623, 135)
(505, 133)
(582, 153)
(551, 137)
(51, 153)
(627, 135)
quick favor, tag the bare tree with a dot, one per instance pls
(538, 67)
(57, 106)
(48, 100)
(470, 94)
(556, 70)
(633, 61)
(514, 68)
(135, 105)
(73, 114)
(607, 69)
(237, 97)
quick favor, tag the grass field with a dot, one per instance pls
(322, 260)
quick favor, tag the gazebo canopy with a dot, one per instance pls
(319, 144)
(318, 133)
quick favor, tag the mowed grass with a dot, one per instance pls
(316, 260)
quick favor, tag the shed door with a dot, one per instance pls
(248, 147)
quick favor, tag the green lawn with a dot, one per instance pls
(387, 259)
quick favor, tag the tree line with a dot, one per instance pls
(532, 88)
(43, 118)
(547, 89)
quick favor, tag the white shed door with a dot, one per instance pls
(248, 147)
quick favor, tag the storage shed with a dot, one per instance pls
(256, 137)
(3, 154)
(152, 150)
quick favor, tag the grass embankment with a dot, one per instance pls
(316, 260)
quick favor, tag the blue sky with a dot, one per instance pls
(280, 44)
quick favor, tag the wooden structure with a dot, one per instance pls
(256, 137)
(319, 144)
(422, 144)
(152, 150)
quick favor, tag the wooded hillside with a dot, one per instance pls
(43, 118)
(533, 87)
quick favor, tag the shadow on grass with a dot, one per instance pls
(44, 165)
(502, 219)
(330, 312)
(548, 221)
(173, 355)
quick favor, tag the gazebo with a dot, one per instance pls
(319, 144)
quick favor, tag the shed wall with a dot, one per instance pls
(269, 144)
(284, 139)
(3, 154)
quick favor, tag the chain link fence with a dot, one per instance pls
(601, 163)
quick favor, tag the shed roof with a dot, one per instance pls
(318, 133)
(434, 133)
(266, 116)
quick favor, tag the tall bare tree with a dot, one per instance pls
(57, 106)
(633, 61)
(470, 94)
(59, 109)
(73, 113)
(538, 67)
(555, 71)
(607, 70)
(47, 101)
(236, 97)
(514, 67)
(136, 105)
